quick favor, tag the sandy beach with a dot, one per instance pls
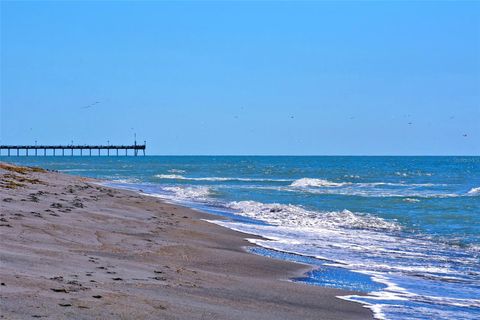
(72, 249)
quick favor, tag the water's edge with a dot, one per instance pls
(312, 262)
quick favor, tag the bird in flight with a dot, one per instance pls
(90, 105)
(465, 135)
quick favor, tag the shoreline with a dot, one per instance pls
(71, 247)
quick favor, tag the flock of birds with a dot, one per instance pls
(291, 116)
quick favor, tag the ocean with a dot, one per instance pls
(404, 231)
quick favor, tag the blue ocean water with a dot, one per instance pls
(403, 230)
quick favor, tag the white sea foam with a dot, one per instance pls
(169, 176)
(180, 177)
(413, 173)
(355, 241)
(474, 191)
(296, 216)
(198, 193)
(368, 190)
(127, 181)
(311, 182)
(176, 171)
(377, 309)
(402, 174)
(344, 250)
(370, 252)
(396, 268)
(352, 176)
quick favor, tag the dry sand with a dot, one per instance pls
(71, 249)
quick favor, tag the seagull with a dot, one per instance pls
(90, 105)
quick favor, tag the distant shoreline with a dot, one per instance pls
(73, 248)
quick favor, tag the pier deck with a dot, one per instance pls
(42, 150)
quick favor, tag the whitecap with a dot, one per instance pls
(180, 177)
(352, 176)
(295, 216)
(199, 193)
(127, 181)
(414, 173)
(311, 182)
(176, 171)
(170, 176)
(474, 191)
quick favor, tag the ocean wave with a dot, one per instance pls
(314, 182)
(413, 173)
(189, 193)
(176, 171)
(474, 191)
(180, 177)
(169, 176)
(366, 190)
(384, 194)
(311, 182)
(296, 216)
(365, 251)
(418, 270)
(389, 258)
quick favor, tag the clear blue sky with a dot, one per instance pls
(315, 78)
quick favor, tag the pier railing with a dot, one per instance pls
(38, 150)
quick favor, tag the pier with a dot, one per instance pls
(68, 150)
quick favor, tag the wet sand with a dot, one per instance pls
(71, 249)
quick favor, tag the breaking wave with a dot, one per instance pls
(189, 193)
(296, 216)
(310, 182)
(474, 191)
(180, 177)
(375, 189)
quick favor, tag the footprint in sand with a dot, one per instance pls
(64, 304)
